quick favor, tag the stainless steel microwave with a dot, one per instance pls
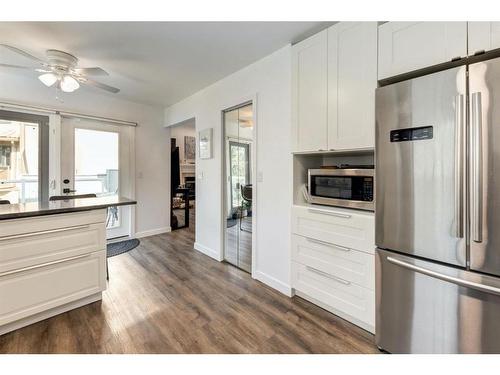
(350, 188)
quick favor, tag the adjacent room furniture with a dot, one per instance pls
(246, 203)
(4, 201)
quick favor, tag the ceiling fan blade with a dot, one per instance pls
(21, 52)
(95, 71)
(15, 66)
(99, 85)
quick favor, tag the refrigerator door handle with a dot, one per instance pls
(459, 164)
(476, 168)
(440, 276)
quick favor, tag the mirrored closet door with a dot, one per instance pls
(238, 192)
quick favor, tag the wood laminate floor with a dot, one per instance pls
(165, 297)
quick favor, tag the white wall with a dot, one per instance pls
(151, 139)
(269, 81)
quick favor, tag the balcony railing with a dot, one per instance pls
(27, 186)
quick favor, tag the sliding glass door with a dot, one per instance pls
(96, 159)
(24, 162)
(239, 197)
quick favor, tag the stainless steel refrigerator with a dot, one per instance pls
(438, 212)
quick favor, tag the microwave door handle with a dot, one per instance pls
(476, 168)
(459, 164)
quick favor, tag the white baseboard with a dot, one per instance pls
(207, 251)
(152, 232)
(274, 283)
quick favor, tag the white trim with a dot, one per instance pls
(152, 232)
(45, 110)
(207, 251)
(274, 283)
(251, 98)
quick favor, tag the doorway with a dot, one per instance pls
(183, 177)
(239, 194)
(24, 157)
(95, 158)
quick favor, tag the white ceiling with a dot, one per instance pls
(156, 63)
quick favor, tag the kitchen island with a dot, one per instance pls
(52, 257)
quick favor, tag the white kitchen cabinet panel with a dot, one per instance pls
(309, 93)
(483, 36)
(407, 46)
(30, 249)
(342, 227)
(34, 290)
(346, 299)
(352, 80)
(345, 263)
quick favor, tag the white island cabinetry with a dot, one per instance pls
(50, 264)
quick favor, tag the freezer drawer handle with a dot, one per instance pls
(331, 213)
(24, 235)
(338, 279)
(313, 240)
(440, 276)
(37, 266)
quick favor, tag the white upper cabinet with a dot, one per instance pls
(309, 93)
(352, 80)
(407, 46)
(483, 36)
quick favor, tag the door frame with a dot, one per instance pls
(43, 146)
(126, 189)
(233, 104)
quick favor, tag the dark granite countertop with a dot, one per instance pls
(16, 211)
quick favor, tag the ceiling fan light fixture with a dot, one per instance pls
(69, 84)
(48, 79)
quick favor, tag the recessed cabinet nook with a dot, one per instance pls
(334, 77)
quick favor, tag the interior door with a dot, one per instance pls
(484, 111)
(420, 166)
(95, 158)
(239, 197)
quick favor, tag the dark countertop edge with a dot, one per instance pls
(55, 211)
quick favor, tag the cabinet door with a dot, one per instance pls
(407, 46)
(483, 36)
(309, 93)
(352, 80)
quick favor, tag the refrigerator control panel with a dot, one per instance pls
(411, 134)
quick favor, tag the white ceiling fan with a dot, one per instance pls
(61, 70)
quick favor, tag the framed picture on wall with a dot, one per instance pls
(189, 148)
(205, 143)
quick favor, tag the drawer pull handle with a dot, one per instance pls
(24, 235)
(313, 240)
(331, 213)
(338, 279)
(37, 266)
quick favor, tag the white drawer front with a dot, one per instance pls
(350, 265)
(30, 292)
(350, 299)
(349, 228)
(48, 222)
(29, 249)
